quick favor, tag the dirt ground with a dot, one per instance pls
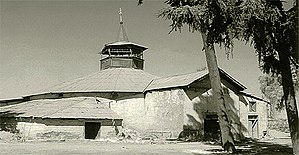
(146, 148)
(276, 144)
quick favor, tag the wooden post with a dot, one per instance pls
(218, 96)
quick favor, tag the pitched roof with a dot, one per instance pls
(127, 80)
(108, 80)
(79, 108)
(175, 81)
(252, 96)
(186, 79)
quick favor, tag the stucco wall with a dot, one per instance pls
(29, 131)
(261, 109)
(261, 112)
(57, 129)
(132, 110)
(171, 111)
(158, 112)
(193, 111)
(164, 111)
(244, 116)
(197, 105)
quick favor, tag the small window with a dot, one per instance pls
(252, 106)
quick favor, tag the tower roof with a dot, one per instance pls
(122, 35)
(122, 41)
(122, 45)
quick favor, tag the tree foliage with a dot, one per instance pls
(215, 18)
(271, 30)
(272, 89)
(264, 23)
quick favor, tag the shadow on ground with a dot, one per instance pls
(258, 148)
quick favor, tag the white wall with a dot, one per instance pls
(197, 105)
(164, 111)
(30, 131)
(160, 112)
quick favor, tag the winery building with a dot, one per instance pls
(123, 96)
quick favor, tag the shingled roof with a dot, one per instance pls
(67, 108)
(187, 79)
(126, 80)
(175, 80)
(108, 80)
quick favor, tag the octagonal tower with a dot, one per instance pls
(122, 53)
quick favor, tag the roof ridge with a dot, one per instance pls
(180, 74)
(232, 78)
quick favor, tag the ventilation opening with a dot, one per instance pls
(92, 130)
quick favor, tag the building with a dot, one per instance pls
(122, 94)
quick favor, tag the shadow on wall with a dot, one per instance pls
(233, 108)
(191, 132)
(7, 121)
(204, 112)
(193, 119)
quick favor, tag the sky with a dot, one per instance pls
(44, 43)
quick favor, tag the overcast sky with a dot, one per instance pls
(44, 43)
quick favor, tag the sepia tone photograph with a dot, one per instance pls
(149, 77)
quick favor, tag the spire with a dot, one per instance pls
(122, 35)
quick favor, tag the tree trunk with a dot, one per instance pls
(292, 113)
(290, 99)
(224, 122)
(295, 140)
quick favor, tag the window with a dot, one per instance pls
(252, 106)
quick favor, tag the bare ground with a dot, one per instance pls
(145, 148)
(276, 144)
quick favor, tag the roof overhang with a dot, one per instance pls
(122, 45)
(253, 96)
(87, 108)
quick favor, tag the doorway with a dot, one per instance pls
(92, 130)
(212, 128)
(253, 126)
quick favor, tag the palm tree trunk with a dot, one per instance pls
(226, 135)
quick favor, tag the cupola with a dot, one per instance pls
(122, 53)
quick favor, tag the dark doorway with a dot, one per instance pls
(92, 130)
(212, 128)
